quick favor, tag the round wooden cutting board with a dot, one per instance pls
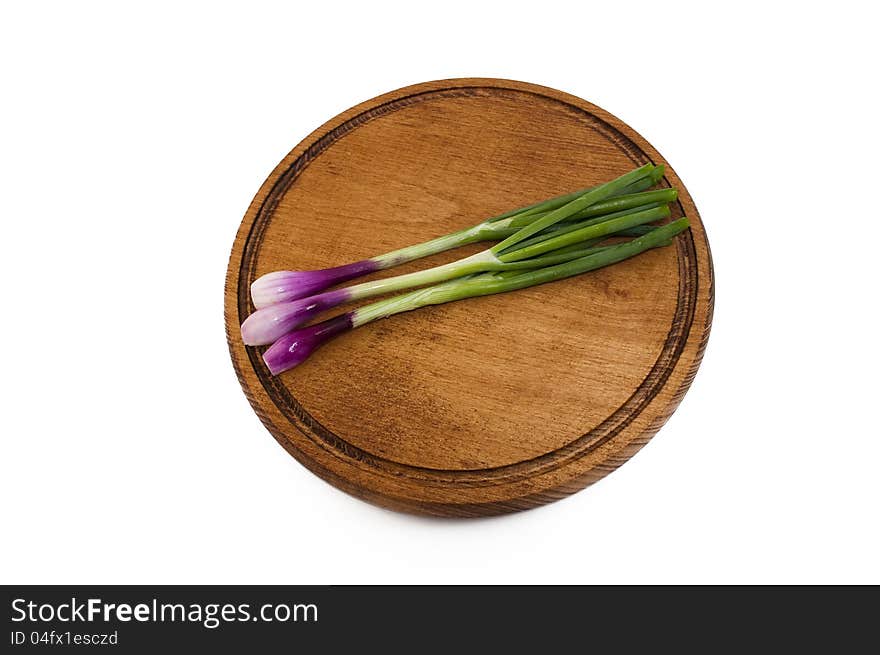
(492, 404)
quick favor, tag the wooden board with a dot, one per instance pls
(493, 404)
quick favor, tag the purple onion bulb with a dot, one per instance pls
(295, 347)
(270, 323)
(284, 286)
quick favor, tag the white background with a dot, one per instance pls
(132, 143)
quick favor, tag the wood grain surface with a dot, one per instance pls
(492, 404)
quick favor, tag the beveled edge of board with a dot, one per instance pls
(610, 452)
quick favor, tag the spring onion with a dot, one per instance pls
(543, 242)
(269, 323)
(272, 320)
(296, 346)
(283, 286)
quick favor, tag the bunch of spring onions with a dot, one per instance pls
(544, 242)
